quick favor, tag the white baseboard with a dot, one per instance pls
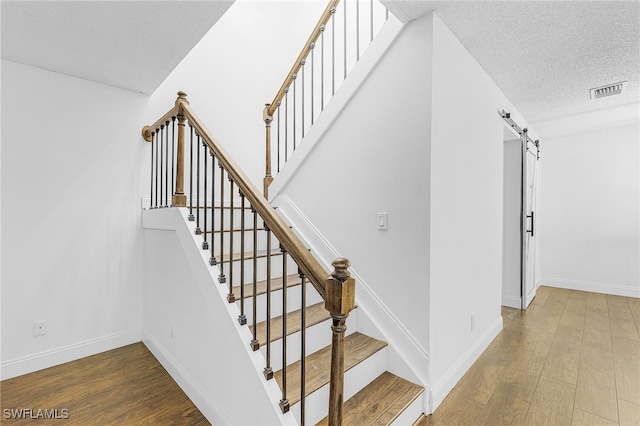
(511, 302)
(186, 383)
(441, 389)
(53, 357)
(614, 289)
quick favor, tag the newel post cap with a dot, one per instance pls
(266, 117)
(182, 97)
(340, 289)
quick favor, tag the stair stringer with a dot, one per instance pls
(219, 382)
(358, 75)
(405, 356)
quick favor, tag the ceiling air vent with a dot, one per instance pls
(608, 90)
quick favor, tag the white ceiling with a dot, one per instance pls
(546, 55)
(133, 45)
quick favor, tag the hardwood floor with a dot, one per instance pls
(125, 386)
(573, 358)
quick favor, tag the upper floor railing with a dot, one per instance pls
(343, 32)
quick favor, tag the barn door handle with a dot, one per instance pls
(532, 222)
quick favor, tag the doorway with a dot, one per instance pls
(520, 186)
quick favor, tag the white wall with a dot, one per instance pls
(235, 69)
(466, 210)
(194, 332)
(375, 158)
(590, 228)
(71, 237)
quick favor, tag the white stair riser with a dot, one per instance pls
(411, 413)
(261, 269)
(318, 336)
(356, 378)
(294, 302)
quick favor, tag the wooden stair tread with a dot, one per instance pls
(261, 286)
(357, 348)
(315, 314)
(380, 402)
(421, 421)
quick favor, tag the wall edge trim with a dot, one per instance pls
(53, 357)
(594, 287)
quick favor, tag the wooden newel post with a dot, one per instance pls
(340, 300)
(179, 197)
(268, 118)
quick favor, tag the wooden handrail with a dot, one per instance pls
(315, 34)
(337, 289)
(300, 254)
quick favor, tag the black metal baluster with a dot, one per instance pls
(255, 344)
(153, 140)
(212, 259)
(357, 30)
(322, 28)
(371, 23)
(303, 62)
(191, 218)
(222, 279)
(157, 165)
(303, 349)
(230, 296)
(286, 124)
(161, 162)
(279, 136)
(198, 230)
(333, 51)
(284, 402)
(173, 156)
(242, 319)
(295, 117)
(345, 39)
(268, 371)
(166, 164)
(313, 48)
(205, 243)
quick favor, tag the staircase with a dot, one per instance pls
(376, 396)
(290, 310)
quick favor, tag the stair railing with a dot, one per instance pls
(301, 98)
(208, 207)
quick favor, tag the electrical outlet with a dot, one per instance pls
(172, 330)
(40, 328)
(473, 320)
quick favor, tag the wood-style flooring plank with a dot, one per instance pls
(552, 403)
(582, 418)
(626, 355)
(629, 413)
(122, 386)
(561, 333)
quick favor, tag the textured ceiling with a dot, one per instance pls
(133, 45)
(546, 55)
